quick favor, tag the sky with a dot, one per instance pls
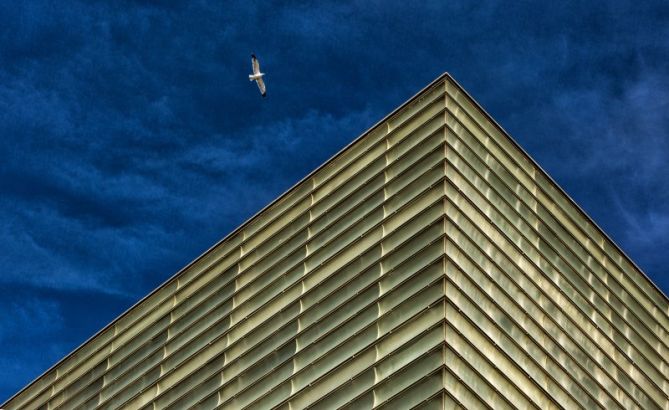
(131, 139)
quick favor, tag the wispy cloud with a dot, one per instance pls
(123, 222)
(132, 140)
(34, 322)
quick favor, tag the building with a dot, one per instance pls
(429, 264)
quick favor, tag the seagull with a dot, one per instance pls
(257, 75)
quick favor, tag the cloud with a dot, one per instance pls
(119, 225)
(608, 147)
(132, 139)
(23, 314)
(22, 331)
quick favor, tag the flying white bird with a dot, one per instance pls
(257, 75)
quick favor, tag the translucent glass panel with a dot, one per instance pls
(318, 274)
(430, 264)
(538, 295)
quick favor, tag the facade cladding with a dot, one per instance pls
(429, 264)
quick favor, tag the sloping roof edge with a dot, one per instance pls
(560, 189)
(233, 232)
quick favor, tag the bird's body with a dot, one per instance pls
(257, 75)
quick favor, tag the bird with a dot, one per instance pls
(257, 75)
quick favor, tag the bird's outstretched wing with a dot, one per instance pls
(255, 64)
(261, 86)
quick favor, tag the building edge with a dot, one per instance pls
(441, 78)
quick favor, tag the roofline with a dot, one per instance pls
(443, 76)
(560, 189)
(233, 232)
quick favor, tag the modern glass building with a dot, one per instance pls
(429, 264)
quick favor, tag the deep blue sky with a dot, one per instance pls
(131, 139)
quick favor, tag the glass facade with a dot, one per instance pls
(429, 264)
